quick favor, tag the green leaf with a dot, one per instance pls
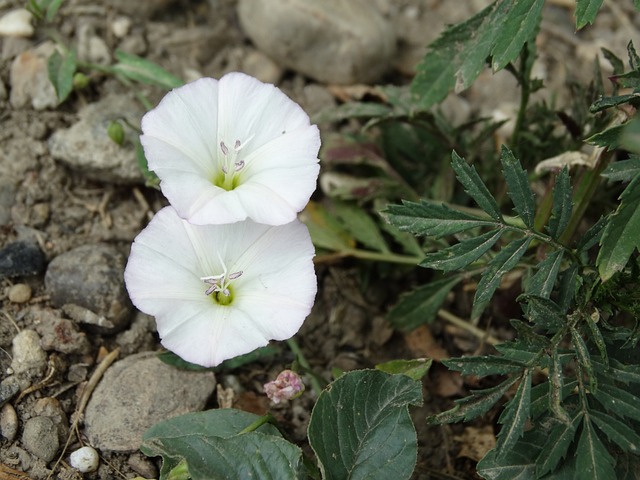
(432, 219)
(634, 59)
(583, 357)
(611, 138)
(514, 417)
(555, 448)
(325, 230)
(61, 69)
(586, 11)
(477, 403)
(604, 103)
(562, 205)
(505, 261)
(618, 401)
(617, 432)
(519, 188)
(360, 225)
(360, 426)
(461, 254)
(618, 371)
(484, 365)
(171, 438)
(414, 369)
(568, 287)
(541, 284)
(556, 388)
(544, 312)
(144, 71)
(621, 236)
(596, 334)
(421, 305)
(475, 187)
(592, 236)
(593, 460)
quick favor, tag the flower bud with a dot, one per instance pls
(286, 386)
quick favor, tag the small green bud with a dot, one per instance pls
(116, 132)
(80, 81)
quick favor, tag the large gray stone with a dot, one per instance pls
(138, 392)
(332, 41)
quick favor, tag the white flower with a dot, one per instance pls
(219, 291)
(232, 149)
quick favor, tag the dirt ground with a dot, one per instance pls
(53, 201)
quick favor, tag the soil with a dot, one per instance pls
(60, 207)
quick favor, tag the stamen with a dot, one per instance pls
(220, 283)
(225, 150)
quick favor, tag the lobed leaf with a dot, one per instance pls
(514, 417)
(621, 235)
(484, 365)
(556, 388)
(586, 11)
(618, 401)
(618, 371)
(555, 448)
(596, 335)
(521, 22)
(609, 102)
(505, 261)
(593, 460)
(414, 369)
(544, 312)
(463, 253)
(519, 188)
(592, 236)
(360, 426)
(623, 170)
(584, 359)
(562, 205)
(475, 187)
(542, 282)
(568, 287)
(421, 306)
(616, 431)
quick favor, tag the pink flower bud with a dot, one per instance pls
(286, 386)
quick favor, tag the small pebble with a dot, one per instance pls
(8, 422)
(121, 26)
(40, 437)
(16, 23)
(28, 356)
(85, 460)
(21, 258)
(20, 293)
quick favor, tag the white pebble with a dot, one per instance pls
(16, 23)
(85, 460)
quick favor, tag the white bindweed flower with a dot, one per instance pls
(232, 149)
(219, 291)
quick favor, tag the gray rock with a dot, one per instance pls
(8, 422)
(51, 408)
(29, 77)
(21, 258)
(138, 392)
(143, 9)
(8, 388)
(60, 334)
(332, 41)
(29, 359)
(87, 148)
(91, 277)
(40, 438)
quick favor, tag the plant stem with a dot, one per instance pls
(368, 255)
(523, 78)
(297, 351)
(257, 424)
(465, 325)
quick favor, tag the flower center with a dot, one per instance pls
(230, 165)
(220, 285)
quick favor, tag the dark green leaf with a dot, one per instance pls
(505, 261)
(414, 369)
(593, 460)
(61, 70)
(432, 219)
(567, 288)
(527, 338)
(519, 188)
(607, 102)
(514, 417)
(628, 80)
(634, 59)
(562, 205)
(621, 236)
(555, 448)
(475, 187)
(477, 403)
(616, 63)
(544, 312)
(360, 426)
(596, 334)
(586, 11)
(618, 371)
(592, 236)
(623, 170)
(610, 138)
(144, 71)
(556, 388)
(522, 20)
(618, 401)
(583, 357)
(617, 432)
(484, 365)
(360, 225)
(461, 254)
(541, 284)
(421, 305)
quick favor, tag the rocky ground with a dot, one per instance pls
(71, 202)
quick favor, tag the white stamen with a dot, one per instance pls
(220, 283)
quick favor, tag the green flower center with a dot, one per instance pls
(228, 177)
(220, 287)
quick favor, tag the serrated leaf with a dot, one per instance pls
(618, 371)
(477, 403)
(586, 11)
(617, 432)
(170, 437)
(596, 335)
(432, 219)
(414, 369)
(505, 261)
(360, 225)
(421, 306)
(61, 69)
(360, 426)
(521, 21)
(634, 59)
(593, 460)
(555, 448)
(562, 205)
(592, 236)
(475, 187)
(544, 312)
(463, 253)
(542, 282)
(144, 71)
(584, 358)
(621, 236)
(519, 188)
(556, 388)
(568, 287)
(514, 417)
(616, 63)
(611, 138)
(484, 365)
(602, 104)
(618, 401)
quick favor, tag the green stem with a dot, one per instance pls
(257, 424)
(525, 93)
(297, 351)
